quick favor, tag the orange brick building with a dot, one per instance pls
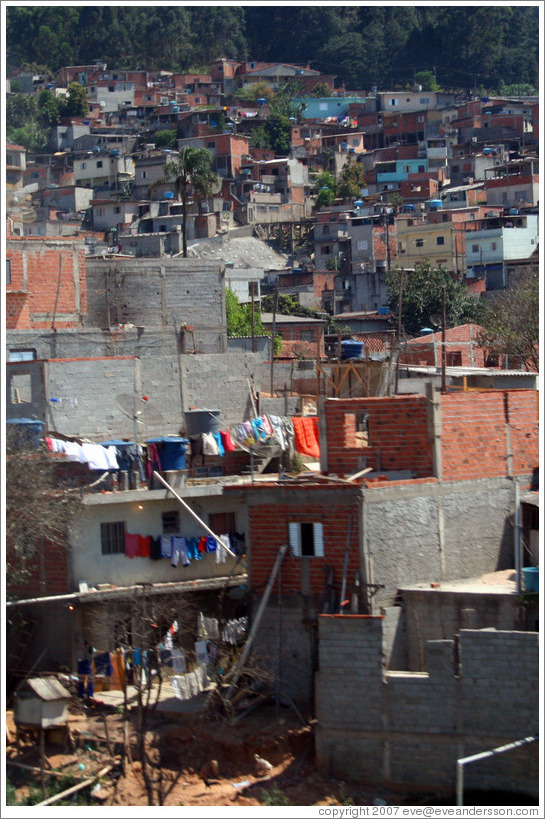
(45, 283)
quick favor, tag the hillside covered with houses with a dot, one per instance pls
(272, 374)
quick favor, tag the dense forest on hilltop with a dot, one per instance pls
(484, 47)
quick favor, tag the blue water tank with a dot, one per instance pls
(172, 451)
(26, 431)
(435, 203)
(426, 331)
(383, 311)
(530, 579)
(351, 348)
(513, 211)
(169, 195)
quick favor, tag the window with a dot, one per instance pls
(117, 209)
(454, 359)
(420, 119)
(419, 243)
(474, 248)
(222, 523)
(99, 163)
(326, 250)
(424, 100)
(494, 246)
(421, 169)
(444, 217)
(22, 355)
(455, 169)
(393, 102)
(112, 538)
(440, 240)
(143, 174)
(325, 230)
(211, 145)
(170, 521)
(111, 89)
(307, 539)
(83, 166)
(8, 271)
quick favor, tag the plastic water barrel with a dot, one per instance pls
(27, 431)
(530, 579)
(172, 451)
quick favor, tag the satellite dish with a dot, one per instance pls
(136, 406)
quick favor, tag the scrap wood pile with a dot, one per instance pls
(238, 692)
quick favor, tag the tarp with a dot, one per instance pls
(307, 439)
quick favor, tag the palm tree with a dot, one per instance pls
(190, 173)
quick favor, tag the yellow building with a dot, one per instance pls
(418, 240)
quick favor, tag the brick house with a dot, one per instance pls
(462, 348)
(434, 506)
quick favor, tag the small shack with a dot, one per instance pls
(41, 702)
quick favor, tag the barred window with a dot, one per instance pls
(112, 536)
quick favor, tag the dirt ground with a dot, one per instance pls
(179, 745)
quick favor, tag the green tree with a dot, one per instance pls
(48, 109)
(427, 80)
(321, 89)
(278, 129)
(326, 187)
(32, 136)
(19, 110)
(351, 180)
(166, 139)
(422, 290)
(239, 317)
(190, 173)
(510, 322)
(74, 104)
(250, 94)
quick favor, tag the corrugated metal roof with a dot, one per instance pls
(48, 688)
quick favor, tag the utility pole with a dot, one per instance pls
(252, 285)
(444, 340)
(273, 334)
(399, 325)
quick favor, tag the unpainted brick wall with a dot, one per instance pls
(398, 435)
(48, 284)
(272, 508)
(408, 729)
(481, 429)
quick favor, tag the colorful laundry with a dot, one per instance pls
(307, 438)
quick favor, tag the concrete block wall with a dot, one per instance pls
(285, 647)
(48, 283)
(428, 532)
(407, 729)
(95, 367)
(435, 613)
(160, 293)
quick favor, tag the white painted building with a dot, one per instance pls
(493, 242)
